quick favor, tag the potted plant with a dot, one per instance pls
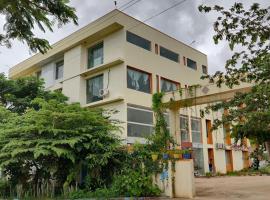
(186, 154)
(177, 154)
(154, 156)
(165, 155)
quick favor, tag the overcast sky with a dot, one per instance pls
(183, 22)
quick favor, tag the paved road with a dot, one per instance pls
(233, 188)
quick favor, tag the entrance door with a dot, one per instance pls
(229, 161)
(211, 160)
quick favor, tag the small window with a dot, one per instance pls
(168, 85)
(196, 130)
(139, 121)
(184, 129)
(38, 74)
(169, 54)
(59, 70)
(157, 83)
(94, 85)
(139, 80)
(156, 48)
(139, 41)
(95, 55)
(191, 64)
(184, 60)
(204, 69)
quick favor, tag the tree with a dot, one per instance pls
(22, 16)
(16, 95)
(45, 148)
(249, 31)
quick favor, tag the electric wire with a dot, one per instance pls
(158, 14)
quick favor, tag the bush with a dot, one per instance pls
(133, 183)
(4, 188)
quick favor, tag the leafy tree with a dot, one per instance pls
(46, 148)
(16, 95)
(22, 16)
(247, 33)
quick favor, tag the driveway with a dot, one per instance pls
(231, 188)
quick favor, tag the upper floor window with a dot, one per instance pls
(59, 70)
(138, 80)
(94, 85)
(196, 130)
(191, 64)
(95, 55)
(139, 41)
(139, 121)
(169, 54)
(168, 85)
(204, 69)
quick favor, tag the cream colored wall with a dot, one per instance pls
(237, 160)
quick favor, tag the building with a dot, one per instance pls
(118, 62)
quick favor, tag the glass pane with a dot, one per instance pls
(139, 41)
(204, 69)
(198, 160)
(138, 81)
(59, 70)
(95, 55)
(137, 130)
(169, 54)
(94, 85)
(139, 116)
(184, 136)
(195, 125)
(184, 123)
(191, 64)
(196, 137)
(168, 86)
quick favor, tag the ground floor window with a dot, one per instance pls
(139, 121)
(198, 160)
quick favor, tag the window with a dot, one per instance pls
(139, 80)
(184, 60)
(38, 74)
(156, 48)
(59, 67)
(139, 41)
(157, 83)
(204, 69)
(184, 128)
(191, 64)
(168, 85)
(94, 85)
(169, 54)
(95, 55)
(196, 130)
(139, 121)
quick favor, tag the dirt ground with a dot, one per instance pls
(232, 188)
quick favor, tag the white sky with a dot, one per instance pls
(184, 22)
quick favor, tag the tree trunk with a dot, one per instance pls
(267, 144)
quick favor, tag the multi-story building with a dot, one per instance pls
(118, 62)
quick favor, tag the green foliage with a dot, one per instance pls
(4, 188)
(22, 16)
(249, 31)
(51, 143)
(16, 95)
(134, 183)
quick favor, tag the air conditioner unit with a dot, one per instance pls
(103, 92)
